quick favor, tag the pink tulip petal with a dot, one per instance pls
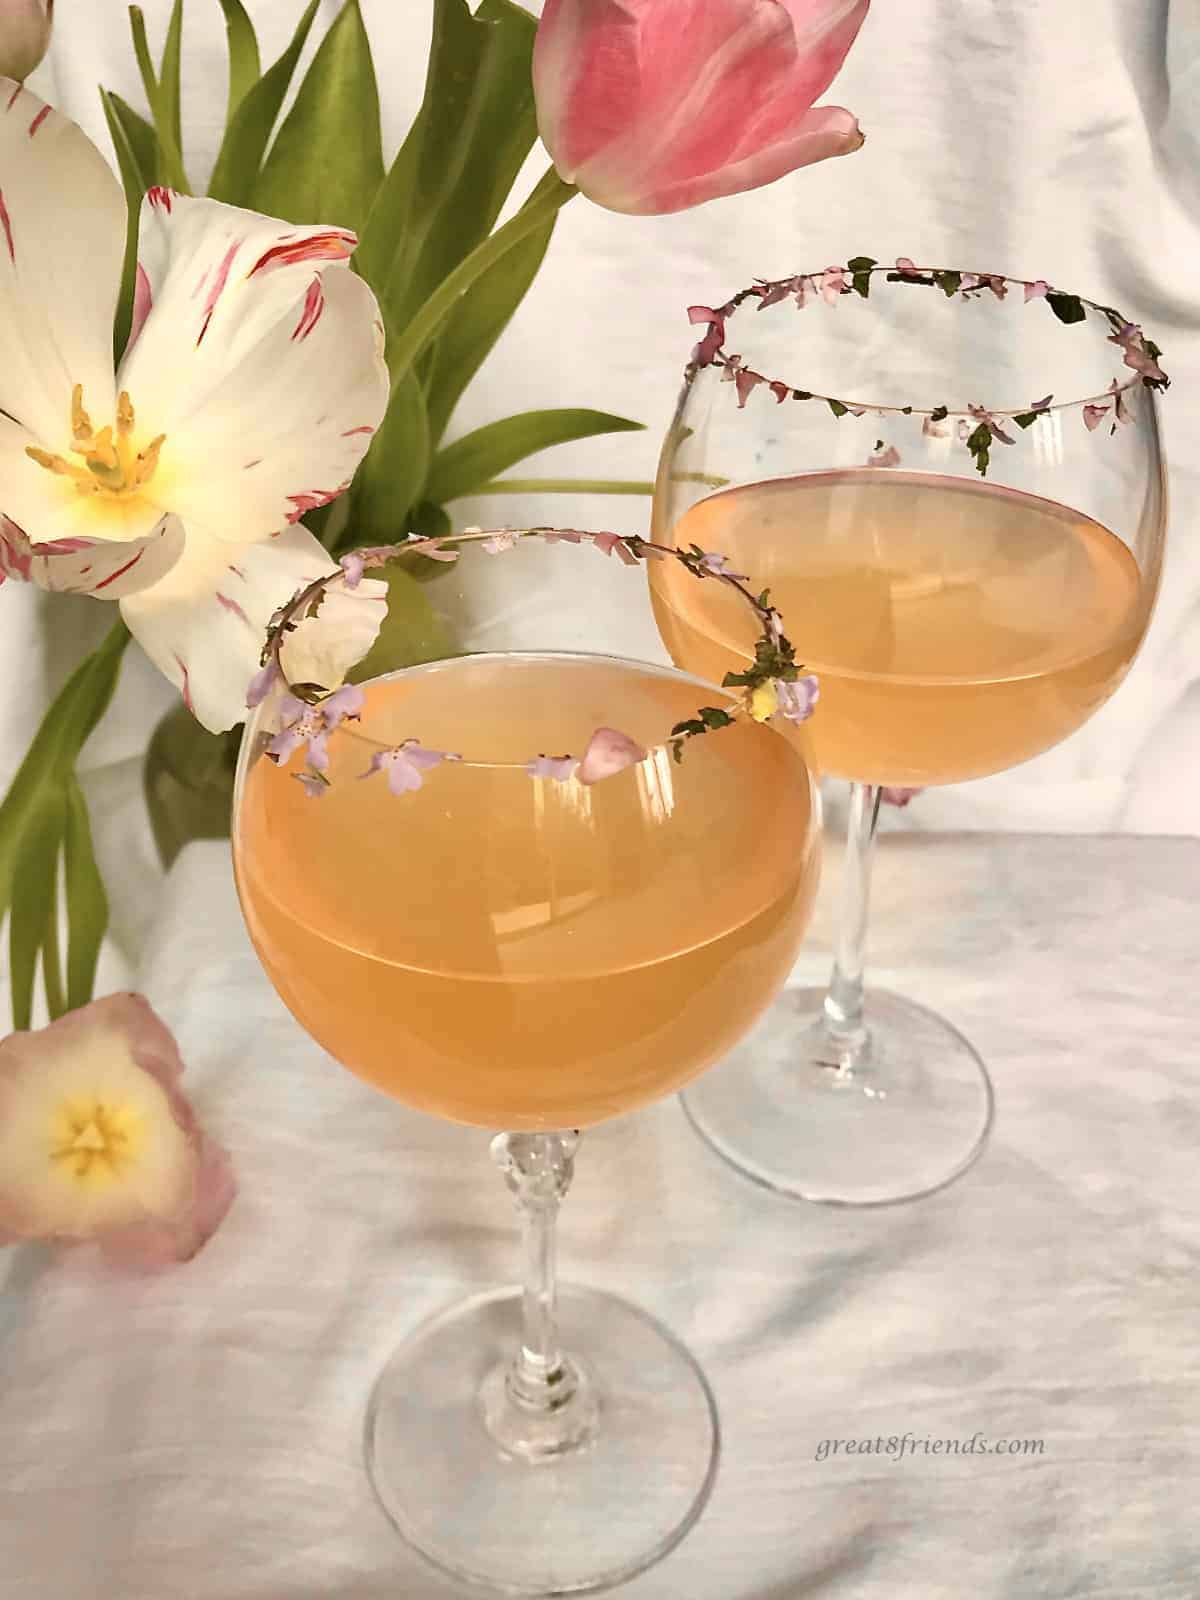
(609, 751)
(154, 1243)
(818, 135)
(656, 105)
(143, 304)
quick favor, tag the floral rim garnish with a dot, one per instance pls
(977, 427)
(772, 685)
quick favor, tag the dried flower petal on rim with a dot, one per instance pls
(608, 752)
(311, 725)
(406, 765)
(717, 565)
(798, 700)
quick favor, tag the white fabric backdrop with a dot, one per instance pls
(1057, 140)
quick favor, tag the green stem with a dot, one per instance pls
(560, 486)
(549, 196)
(51, 960)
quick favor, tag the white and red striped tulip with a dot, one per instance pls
(248, 394)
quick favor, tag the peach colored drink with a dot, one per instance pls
(522, 953)
(958, 628)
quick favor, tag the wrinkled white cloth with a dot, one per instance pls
(1056, 140)
(197, 1435)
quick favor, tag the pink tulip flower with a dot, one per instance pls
(24, 36)
(652, 106)
(98, 1142)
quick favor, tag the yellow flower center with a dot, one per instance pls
(94, 1144)
(111, 464)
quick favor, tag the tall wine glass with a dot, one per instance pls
(953, 485)
(510, 945)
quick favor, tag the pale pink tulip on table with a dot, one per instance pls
(24, 35)
(651, 106)
(98, 1142)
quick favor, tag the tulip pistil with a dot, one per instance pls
(111, 464)
(93, 1143)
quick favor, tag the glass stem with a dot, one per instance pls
(541, 1404)
(844, 1022)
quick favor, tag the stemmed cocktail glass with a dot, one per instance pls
(952, 484)
(479, 923)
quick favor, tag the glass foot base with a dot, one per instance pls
(908, 1117)
(538, 1522)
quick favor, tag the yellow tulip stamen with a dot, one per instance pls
(147, 461)
(100, 453)
(96, 1143)
(112, 464)
(81, 423)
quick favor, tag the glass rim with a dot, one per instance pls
(654, 668)
(828, 285)
(774, 683)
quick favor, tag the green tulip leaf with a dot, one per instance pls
(136, 142)
(463, 467)
(387, 226)
(187, 780)
(407, 349)
(170, 99)
(412, 632)
(470, 139)
(163, 94)
(469, 336)
(326, 164)
(245, 63)
(240, 158)
(392, 477)
(35, 901)
(87, 900)
(137, 155)
(50, 759)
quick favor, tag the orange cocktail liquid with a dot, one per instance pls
(521, 953)
(957, 627)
